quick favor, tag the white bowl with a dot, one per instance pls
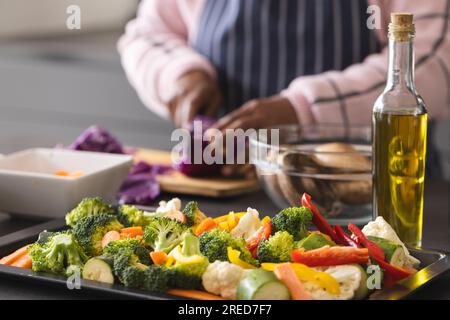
(29, 186)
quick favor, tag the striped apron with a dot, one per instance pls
(259, 46)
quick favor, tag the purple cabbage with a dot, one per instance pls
(97, 139)
(141, 186)
(186, 165)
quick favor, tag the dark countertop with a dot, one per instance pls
(436, 236)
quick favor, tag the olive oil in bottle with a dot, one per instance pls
(399, 139)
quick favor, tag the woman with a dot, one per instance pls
(257, 63)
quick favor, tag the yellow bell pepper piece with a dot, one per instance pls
(233, 256)
(265, 220)
(225, 216)
(232, 220)
(181, 259)
(224, 226)
(170, 261)
(304, 273)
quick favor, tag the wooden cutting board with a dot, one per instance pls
(176, 182)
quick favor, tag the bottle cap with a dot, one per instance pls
(402, 26)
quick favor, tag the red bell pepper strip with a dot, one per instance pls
(344, 238)
(394, 273)
(262, 234)
(330, 256)
(374, 250)
(319, 221)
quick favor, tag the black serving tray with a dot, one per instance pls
(433, 264)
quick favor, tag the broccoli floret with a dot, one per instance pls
(163, 234)
(214, 244)
(193, 214)
(132, 273)
(277, 248)
(293, 220)
(60, 254)
(131, 216)
(87, 207)
(134, 245)
(190, 264)
(89, 231)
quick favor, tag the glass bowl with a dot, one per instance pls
(331, 163)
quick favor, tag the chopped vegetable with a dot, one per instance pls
(380, 228)
(343, 238)
(89, 231)
(88, 207)
(247, 225)
(177, 215)
(23, 262)
(133, 245)
(262, 234)
(193, 214)
(314, 241)
(259, 284)
(277, 248)
(374, 251)
(222, 278)
(304, 273)
(97, 139)
(64, 173)
(330, 256)
(186, 163)
(159, 257)
(110, 236)
(16, 255)
(319, 221)
(293, 220)
(193, 294)
(287, 275)
(233, 257)
(164, 234)
(99, 269)
(226, 216)
(59, 254)
(393, 252)
(190, 264)
(132, 232)
(130, 215)
(214, 244)
(206, 225)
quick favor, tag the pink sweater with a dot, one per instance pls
(174, 22)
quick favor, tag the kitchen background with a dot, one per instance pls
(56, 82)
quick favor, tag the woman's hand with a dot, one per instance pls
(192, 94)
(261, 113)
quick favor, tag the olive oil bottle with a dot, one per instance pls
(399, 138)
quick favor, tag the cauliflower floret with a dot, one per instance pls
(247, 225)
(170, 206)
(222, 278)
(380, 228)
(348, 276)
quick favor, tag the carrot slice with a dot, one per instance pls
(8, 260)
(24, 262)
(110, 236)
(330, 256)
(132, 232)
(177, 215)
(194, 294)
(285, 273)
(205, 225)
(158, 257)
